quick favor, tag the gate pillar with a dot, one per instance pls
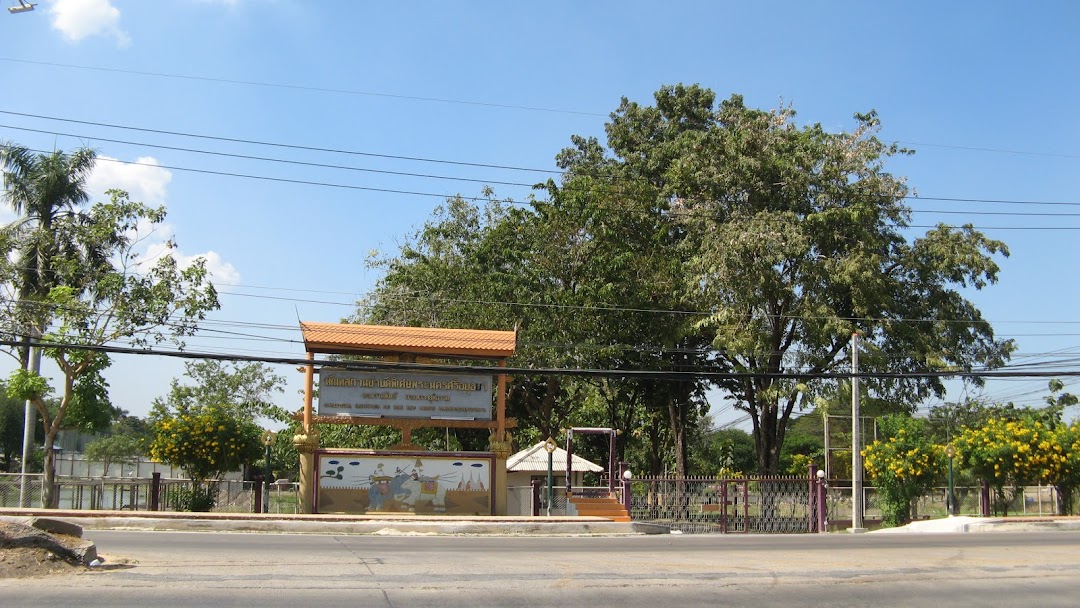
(306, 444)
(502, 448)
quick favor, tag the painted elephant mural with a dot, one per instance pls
(416, 489)
(394, 482)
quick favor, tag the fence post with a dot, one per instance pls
(723, 506)
(258, 493)
(626, 493)
(155, 491)
(536, 497)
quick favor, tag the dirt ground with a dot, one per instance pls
(31, 561)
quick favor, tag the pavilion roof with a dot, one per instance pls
(345, 338)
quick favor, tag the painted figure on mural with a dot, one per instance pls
(379, 488)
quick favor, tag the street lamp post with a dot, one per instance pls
(22, 8)
(550, 446)
(268, 440)
(950, 452)
(822, 497)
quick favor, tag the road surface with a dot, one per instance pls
(228, 569)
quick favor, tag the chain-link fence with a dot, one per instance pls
(14, 494)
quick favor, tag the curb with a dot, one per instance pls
(335, 524)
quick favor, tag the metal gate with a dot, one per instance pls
(752, 504)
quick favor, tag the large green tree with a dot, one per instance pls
(140, 301)
(792, 238)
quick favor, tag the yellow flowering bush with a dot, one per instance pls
(206, 442)
(1066, 453)
(903, 466)
(1008, 454)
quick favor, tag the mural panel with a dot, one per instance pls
(437, 483)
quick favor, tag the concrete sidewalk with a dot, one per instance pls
(399, 524)
(964, 524)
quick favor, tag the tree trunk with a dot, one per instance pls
(49, 495)
(767, 442)
(1065, 495)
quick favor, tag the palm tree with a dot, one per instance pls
(45, 190)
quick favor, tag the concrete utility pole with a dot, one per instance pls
(856, 456)
(29, 422)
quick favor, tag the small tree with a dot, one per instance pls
(207, 428)
(205, 441)
(903, 466)
(118, 449)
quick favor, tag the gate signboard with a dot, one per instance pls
(405, 395)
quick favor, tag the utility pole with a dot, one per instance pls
(29, 424)
(856, 456)
(30, 413)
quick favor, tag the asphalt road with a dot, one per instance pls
(227, 569)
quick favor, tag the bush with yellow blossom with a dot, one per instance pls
(903, 466)
(1066, 453)
(1008, 454)
(206, 441)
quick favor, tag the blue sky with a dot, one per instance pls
(984, 91)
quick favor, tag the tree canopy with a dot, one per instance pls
(705, 236)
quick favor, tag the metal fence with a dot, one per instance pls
(759, 504)
(1028, 500)
(133, 494)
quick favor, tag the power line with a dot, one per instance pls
(445, 196)
(304, 88)
(996, 150)
(451, 101)
(397, 157)
(275, 160)
(640, 374)
(282, 145)
(462, 179)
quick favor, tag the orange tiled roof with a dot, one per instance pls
(343, 338)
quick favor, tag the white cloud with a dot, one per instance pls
(145, 180)
(78, 19)
(220, 270)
